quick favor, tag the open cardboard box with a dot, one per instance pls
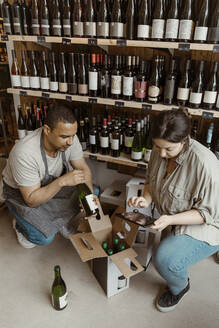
(108, 269)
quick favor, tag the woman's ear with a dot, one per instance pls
(46, 129)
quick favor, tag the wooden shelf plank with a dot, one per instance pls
(111, 42)
(122, 160)
(112, 102)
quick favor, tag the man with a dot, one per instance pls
(40, 179)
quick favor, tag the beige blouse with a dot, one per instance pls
(194, 184)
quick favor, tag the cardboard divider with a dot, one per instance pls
(119, 260)
(82, 242)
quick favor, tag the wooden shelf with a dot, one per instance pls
(124, 159)
(111, 102)
(3, 63)
(110, 42)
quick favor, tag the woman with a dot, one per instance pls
(183, 182)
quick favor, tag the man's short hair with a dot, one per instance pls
(59, 113)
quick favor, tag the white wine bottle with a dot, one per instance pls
(87, 201)
(59, 291)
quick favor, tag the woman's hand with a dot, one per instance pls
(139, 202)
(161, 223)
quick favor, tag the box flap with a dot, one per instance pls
(84, 227)
(123, 228)
(87, 246)
(121, 261)
(102, 224)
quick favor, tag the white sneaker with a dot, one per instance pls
(21, 239)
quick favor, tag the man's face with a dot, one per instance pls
(62, 136)
(168, 149)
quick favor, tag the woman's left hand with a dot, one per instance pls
(161, 223)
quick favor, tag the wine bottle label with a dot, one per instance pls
(66, 27)
(83, 89)
(44, 83)
(153, 92)
(129, 141)
(63, 87)
(25, 82)
(72, 88)
(116, 30)
(17, 25)
(183, 93)
(136, 155)
(21, 133)
(217, 104)
(90, 28)
(116, 84)
(213, 34)
(35, 26)
(103, 29)
(140, 89)
(7, 26)
(201, 33)
(56, 27)
(29, 132)
(158, 28)
(172, 28)
(121, 139)
(90, 200)
(127, 86)
(78, 28)
(45, 26)
(210, 97)
(104, 142)
(35, 82)
(105, 81)
(115, 144)
(92, 140)
(169, 89)
(25, 28)
(92, 77)
(195, 98)
(53, 86)
(147, 155)
(63, 300)
(143, 31)
(16, 80)
(185, 29)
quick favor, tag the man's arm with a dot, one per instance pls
(37, 195)
(81, 164)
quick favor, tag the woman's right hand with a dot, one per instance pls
(139, 202)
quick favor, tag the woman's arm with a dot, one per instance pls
(185, 218)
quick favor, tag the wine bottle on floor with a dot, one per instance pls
(59, 291)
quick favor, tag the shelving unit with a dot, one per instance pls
(201, 50)
(111, 102)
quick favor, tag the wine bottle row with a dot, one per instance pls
(110, 134)
(120, 77)
(170, 20)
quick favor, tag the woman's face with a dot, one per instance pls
(168, 149)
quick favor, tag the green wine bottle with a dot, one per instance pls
(87, 201)
(59, 291)
(137, 147)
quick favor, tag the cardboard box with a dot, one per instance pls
(135, 187)
(115, 194)
(108, 270)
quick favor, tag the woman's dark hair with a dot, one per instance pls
(59, 113)
(172, 125)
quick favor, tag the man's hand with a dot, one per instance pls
(139, 202)
(72, 178)
(161, 223)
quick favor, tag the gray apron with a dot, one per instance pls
(51, 216)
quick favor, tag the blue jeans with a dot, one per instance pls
(176, 254)
(29, 231)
